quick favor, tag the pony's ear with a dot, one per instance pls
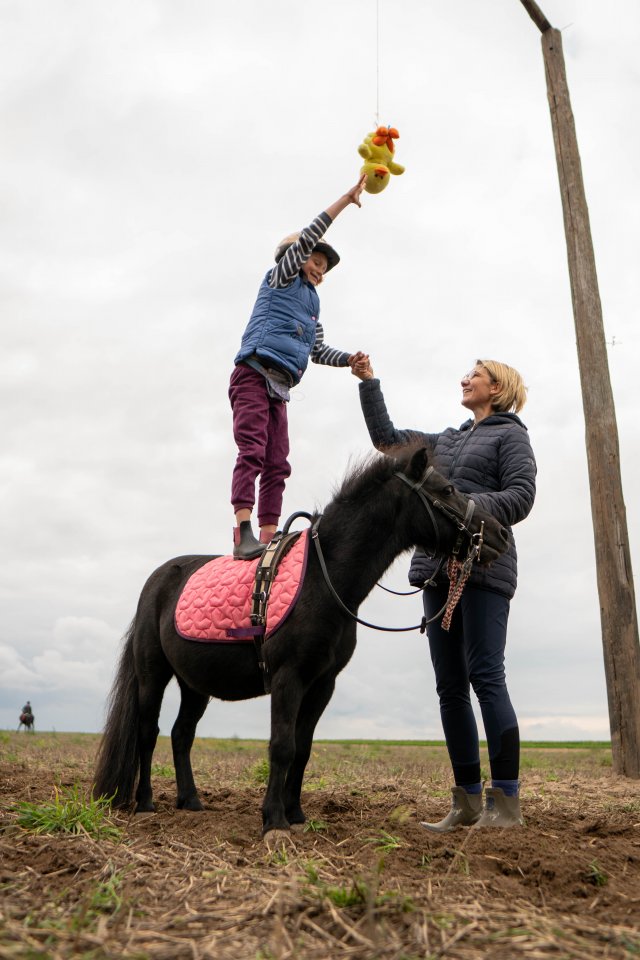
(418, 464)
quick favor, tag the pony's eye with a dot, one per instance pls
(448, 490)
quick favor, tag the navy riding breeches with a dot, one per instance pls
(471, 656)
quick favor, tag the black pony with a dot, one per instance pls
(383, 508)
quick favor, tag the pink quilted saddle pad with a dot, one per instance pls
(215, 603)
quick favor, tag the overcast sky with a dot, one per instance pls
(153, 154)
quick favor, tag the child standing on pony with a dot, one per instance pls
(283, 332)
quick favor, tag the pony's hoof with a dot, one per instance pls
(193, 805)
(277, 839)
(297, 828)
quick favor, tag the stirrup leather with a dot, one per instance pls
(265, 574)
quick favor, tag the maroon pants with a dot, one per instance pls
(261, 432)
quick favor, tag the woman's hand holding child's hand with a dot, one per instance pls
(361, 366)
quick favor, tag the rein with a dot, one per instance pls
(343, 606)
(458, 570)
(399, 593)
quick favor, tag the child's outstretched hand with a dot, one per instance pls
(355, 192)
(351, 196)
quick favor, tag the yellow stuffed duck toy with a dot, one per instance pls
(378, 150)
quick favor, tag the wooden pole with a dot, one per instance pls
(536, 15)
(618, 614)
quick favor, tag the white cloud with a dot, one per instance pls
(78, 678)
(85, 635)
(565, 727)
(14, 673)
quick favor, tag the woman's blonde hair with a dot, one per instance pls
(512, 395)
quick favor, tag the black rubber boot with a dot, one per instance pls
(245, 545)
(466, 809)
(499, 810)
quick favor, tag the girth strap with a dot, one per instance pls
(265, 574)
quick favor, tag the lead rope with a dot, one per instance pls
(457, 579)
(458, 572)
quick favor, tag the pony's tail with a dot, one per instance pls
(117, 759)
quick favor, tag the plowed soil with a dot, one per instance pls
(363, 880)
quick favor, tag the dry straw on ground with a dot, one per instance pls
(364, 881)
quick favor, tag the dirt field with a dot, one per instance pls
(365, 881)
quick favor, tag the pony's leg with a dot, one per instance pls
(150, 693)
(192, 706)
(286, 696)
(311, 709)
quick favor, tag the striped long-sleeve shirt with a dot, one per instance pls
(288, 268)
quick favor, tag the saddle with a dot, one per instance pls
(231, 601)
(235, 601)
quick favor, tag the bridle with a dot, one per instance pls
(457, 568)
(475, 539)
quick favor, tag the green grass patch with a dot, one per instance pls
(259, 772)
(596, 875)
(355, 894)
(106, 896)
(69, 812)
(315, 826)
(386, 842)
(163, 770)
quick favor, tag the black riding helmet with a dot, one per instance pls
(332, 257)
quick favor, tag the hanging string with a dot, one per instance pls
(377, 64)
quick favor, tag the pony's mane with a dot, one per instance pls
(372, 471)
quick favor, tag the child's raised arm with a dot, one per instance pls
(351, 196)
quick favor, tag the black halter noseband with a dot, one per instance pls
(475, 539)
(475, 546)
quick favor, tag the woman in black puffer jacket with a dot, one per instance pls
(489, 458)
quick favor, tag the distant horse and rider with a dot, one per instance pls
(27, 719)
(383, 508)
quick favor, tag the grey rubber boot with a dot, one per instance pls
(499, 810)
(245, 545)
(466, 809)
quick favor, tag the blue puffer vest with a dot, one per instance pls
(493, 463)
(282, 326)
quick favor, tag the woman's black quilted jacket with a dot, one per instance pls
(492, 462)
